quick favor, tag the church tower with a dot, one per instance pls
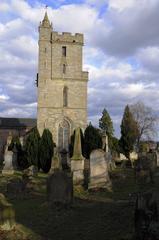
(62, 84)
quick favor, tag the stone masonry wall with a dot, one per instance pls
(53, 79)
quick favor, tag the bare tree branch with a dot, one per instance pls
(146, 120)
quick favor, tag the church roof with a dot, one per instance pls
(17, 122)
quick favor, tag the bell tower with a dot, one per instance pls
(62, 84)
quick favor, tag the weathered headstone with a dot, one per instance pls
(145, 167)
(64, 159)
(7, 214)
(10, 158)
(20, 188)
(21, 141)
(55, 163)
(60, 188)
(99, 176)
(77, 161)
(110, 161)
(8, 163)
(15, 187)
(152, 158)
(146, 217)
(33, 170)
(105, 147)
(157, 158)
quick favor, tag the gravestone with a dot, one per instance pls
(21, 139)
(145, 167)
(110, 161)
(157, 158)
(152, 158)
(55, 163)
(20, 188)
(146, 217)
(99, 176)
(60, 188)
(64, 159)
(8, 163)
(33, 170)
(77, 161)
(7, 214)
(105, 147)
(10, 158)
(15, 187)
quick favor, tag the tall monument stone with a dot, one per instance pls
(77, 160)
(10, 158)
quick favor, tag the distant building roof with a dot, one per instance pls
(17, 122)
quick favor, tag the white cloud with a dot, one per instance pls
(4, 7)
(131, 29)
(149, 58)
(121, 5)
(98, 3)
(3, 97)
(64, 18)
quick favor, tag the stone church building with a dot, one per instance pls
(62, 89)
(62, 83)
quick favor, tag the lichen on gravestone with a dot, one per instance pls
(7, 214)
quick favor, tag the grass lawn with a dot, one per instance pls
(94, 215)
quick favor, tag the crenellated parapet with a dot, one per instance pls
(67, 37)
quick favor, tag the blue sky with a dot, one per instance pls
(121, 53)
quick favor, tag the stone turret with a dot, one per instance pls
(77, 161)
(46, 22)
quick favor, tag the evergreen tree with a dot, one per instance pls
(32, 147)
(115, 145)
(106, 124)
(46, 150)
(15, 143)
(129, 133)
(92, 140)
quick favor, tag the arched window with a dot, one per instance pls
(65, 96)
(64, 135)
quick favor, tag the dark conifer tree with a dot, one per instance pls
(46, 150)
(129, 133)
(32, 147)
(92, 140)
(106, 124)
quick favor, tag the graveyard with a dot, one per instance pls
(62, 178)
(93, 214)
(87, 195)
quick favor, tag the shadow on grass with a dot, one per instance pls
(86, 219)
(94, 215)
